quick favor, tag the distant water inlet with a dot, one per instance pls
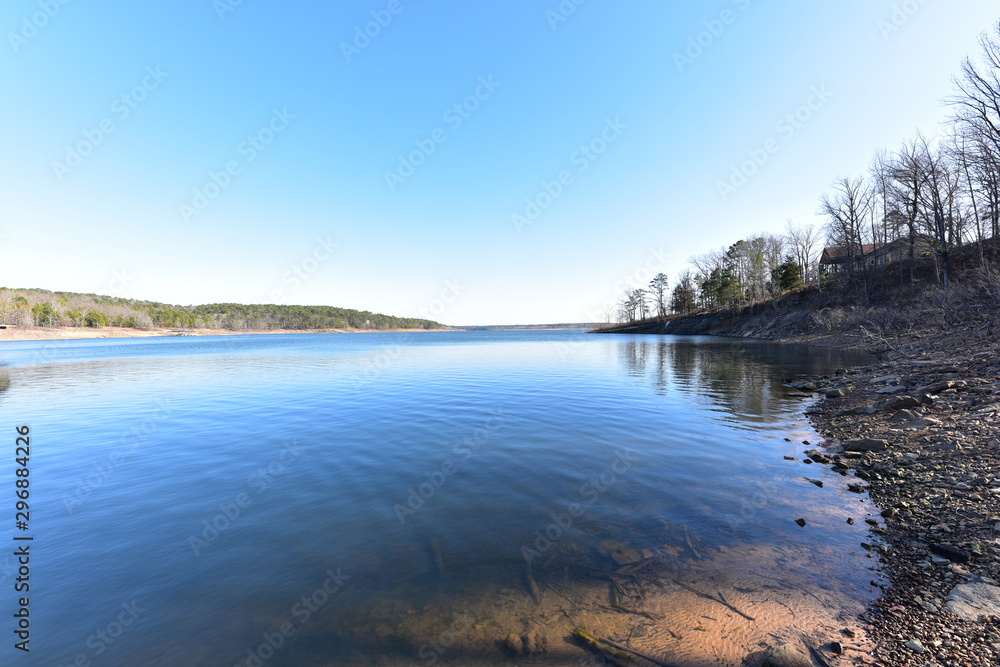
(479, 498)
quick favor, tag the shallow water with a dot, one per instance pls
(398, 499)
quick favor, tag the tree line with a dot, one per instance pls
(42, 308)
(929, 200)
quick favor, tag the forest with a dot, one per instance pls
(42, 308)
(927, 211)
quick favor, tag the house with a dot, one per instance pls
(835, 258)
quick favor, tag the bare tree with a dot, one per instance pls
(803, 242)
(847, 211)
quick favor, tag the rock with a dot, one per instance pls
(866, 445)
(801, 522)
(814, 481)
(804, 385)
(514, 644)
(952, 446)
(816, 456)
(533, 643)
(953, 554)
(785, 655)
(620, 553)
(904, 416)
(845, 412)
(837, 648)
(883, 380)
(837, 393)
(895, 389)
(971, 602)
(915, 646)
(856, 488)
(924, 422)
(900, 403)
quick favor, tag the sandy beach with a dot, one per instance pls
(75, 333)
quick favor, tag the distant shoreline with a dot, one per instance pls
(81, 333)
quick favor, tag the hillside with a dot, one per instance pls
(42, 308)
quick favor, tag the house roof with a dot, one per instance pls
(837, 254)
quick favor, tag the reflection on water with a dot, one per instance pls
(442, 498)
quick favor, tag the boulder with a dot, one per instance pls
(900, 403)
(892, 389)
(971, 602)
(785, 655)
(866, 445)
(954, 554)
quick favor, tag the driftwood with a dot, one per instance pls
(721, 600)
(529, 578)
(613, 652)
(820, 658)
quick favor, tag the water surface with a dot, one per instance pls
(398, 499)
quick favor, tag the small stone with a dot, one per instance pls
(915, 646)
(837, 648)
(850, 521)
(533, 643)
(801, 522)
(785, 655)
(514, 644)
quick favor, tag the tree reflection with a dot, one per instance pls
(746, 378)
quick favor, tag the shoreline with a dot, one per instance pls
(924, 419)
(84, 333)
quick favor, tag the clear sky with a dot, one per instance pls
(376, 154)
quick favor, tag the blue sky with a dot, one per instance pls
(477, 163)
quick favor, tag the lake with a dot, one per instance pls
(423, 498)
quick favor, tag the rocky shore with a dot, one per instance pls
(920, 432)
